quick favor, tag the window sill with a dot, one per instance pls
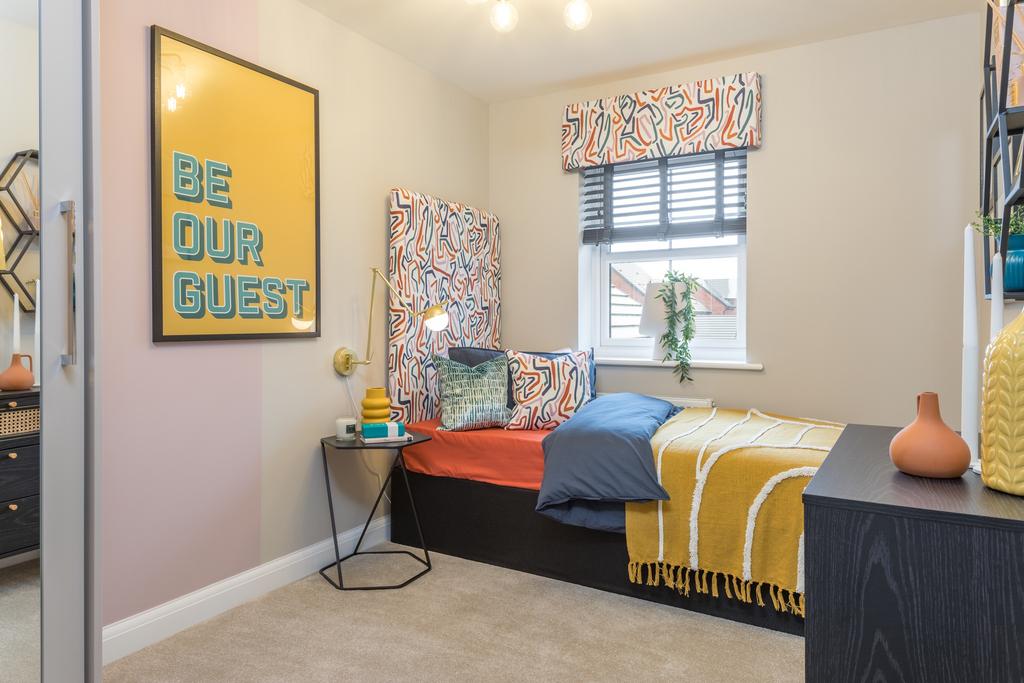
(697, 364)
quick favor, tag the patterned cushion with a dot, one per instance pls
(548, 391)
(472, 398)
(473, 356)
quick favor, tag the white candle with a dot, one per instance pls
(37, 338)
(996, 315)
(969, 386)
(345, 428)
(16, 324)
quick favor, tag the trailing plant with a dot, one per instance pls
(993, 227)
(681, 325)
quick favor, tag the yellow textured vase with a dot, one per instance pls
(1002, 414)
(376, 405)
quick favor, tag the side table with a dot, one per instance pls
(358, 445)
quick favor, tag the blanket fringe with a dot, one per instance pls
(708, 582)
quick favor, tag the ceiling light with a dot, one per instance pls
(577, 14)
(504, 16)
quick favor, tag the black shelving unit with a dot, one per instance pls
(23, 222)
(1002, 134)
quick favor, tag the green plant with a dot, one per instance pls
(992, 227)
(676, 345)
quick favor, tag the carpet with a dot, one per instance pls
(19, 623)
(463, 621)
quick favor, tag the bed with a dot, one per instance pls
(502, 457)
(479, 493)
(498, 525)
(487, 512)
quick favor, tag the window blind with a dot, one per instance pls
(696, 195)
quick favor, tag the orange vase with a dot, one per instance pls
(17, 377)
(927, 447)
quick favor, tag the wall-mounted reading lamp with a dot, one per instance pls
(435, 317)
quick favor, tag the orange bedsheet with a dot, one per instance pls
(498, 456)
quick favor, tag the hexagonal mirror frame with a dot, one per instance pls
(19, 214)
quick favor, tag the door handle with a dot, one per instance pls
(70, 356)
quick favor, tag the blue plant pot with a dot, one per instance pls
(1013, 280)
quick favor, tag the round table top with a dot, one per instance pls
(358, 443)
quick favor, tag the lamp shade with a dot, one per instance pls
(435, 318)
(652, 319)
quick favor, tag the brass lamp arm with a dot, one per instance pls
(374, 274)
(345, 359)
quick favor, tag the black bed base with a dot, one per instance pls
(498, 525)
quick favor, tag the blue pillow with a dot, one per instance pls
(603, 453)
(474, 355)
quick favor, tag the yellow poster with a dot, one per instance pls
(236, 235)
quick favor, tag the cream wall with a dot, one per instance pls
(19, 50)
(210, 451)
(383, 123)
(19, 130)
(856, 206)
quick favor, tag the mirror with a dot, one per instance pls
(19, 394)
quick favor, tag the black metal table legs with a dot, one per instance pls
(338, 559)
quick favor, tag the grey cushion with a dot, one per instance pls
(473, 397)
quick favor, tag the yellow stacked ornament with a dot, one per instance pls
(376, 405)
(1002, 411)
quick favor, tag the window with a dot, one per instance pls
(687, 214)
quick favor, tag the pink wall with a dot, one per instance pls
(179, 424)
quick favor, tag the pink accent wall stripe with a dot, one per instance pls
(179, 424)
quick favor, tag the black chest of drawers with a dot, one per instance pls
(19, 472)
(909, 579)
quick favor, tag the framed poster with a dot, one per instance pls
(235, 197)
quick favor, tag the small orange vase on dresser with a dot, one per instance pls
(17, 377)
(927, 447)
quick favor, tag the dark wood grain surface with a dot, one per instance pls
(891, 598)
(859, 473)
(909, 579)
(19, 476)
(19, 479)
(19, 529)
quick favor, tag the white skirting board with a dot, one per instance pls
(146, 628)
(18, 559)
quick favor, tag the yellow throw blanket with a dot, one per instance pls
(735, 520)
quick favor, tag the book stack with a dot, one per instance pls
(385, 432)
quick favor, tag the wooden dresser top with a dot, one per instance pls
(858, 474)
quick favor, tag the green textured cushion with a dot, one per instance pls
(473, 398)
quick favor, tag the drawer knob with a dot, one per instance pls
(13, 507)
(12, 456)
(12, 404)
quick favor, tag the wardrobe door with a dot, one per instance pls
(67, 577)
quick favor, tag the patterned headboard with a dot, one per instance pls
(438, 251)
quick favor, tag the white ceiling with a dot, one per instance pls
(454, 39)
